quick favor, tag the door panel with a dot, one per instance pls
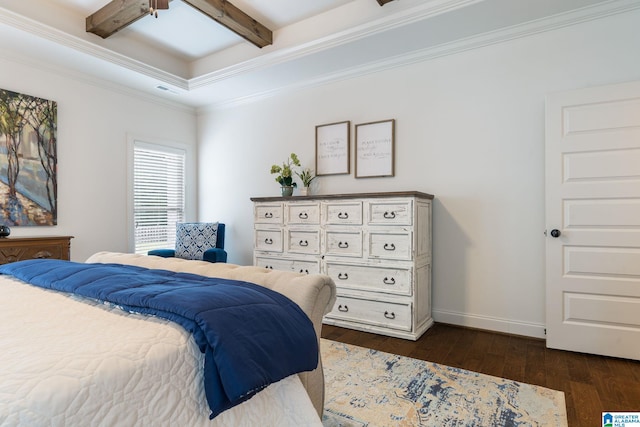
(603, 165)
(607, 262)
(612, 213)
(593, 201)
(618, 311)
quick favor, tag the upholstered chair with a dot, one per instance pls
(213, 254)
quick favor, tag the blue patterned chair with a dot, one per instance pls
(191, 246)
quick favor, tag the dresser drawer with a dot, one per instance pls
(307, 267)
(390, 245)
(368, 278)
(390, 213)
(273, 263)
(14, 249)
(303, 213)
(20, 253)
(303, 241)
(344, 243)
(268, 240)
(343, 213)
(268, 213)
(378, 313)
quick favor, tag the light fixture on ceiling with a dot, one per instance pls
(155, 5)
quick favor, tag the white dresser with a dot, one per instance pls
(375, 246)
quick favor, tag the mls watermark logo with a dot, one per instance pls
(621, 419)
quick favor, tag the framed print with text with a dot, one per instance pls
(375, 144)
(332, 148)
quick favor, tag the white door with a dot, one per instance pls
(593, 207)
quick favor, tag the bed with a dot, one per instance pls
(69, 360)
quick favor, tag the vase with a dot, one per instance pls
(304, 191)
(4, 231)
(287, 190)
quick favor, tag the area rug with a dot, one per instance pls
(366, 387)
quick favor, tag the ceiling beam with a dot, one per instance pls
(118, 14)
(234, 19)
(383, 2)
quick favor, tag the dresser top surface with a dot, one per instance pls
(416, 194)
(32, 238)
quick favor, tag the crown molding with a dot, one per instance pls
(284, 55)
(350, 35)
(56, 36)
(10, 56)
(552, 23)
(399, 19)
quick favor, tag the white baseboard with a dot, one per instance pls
(534, 330)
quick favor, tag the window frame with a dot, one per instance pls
(134, 141)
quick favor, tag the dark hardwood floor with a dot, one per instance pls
(591, 384)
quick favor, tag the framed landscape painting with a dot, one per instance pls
(28, 160)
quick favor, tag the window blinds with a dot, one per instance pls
(158, 195)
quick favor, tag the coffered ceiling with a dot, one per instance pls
(185, 56)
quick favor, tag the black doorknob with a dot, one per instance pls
(555, 233)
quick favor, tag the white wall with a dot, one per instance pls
(94, 122)
(470, 130)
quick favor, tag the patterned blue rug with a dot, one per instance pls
(371, 388)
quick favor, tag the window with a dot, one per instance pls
(158, 195)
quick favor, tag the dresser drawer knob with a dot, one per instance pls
(343, 215)
(304, 270)
(303, 215)
(268, 241)
(343, 245)
(343, 308)
(389, 215)
(268, 215)
(303, 243)
(343, 276)
(389, 247)
(388, 315)
(268, 267)
(388, 281)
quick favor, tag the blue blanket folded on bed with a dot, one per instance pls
(251, 335)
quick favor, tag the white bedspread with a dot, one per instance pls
(67, 361)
